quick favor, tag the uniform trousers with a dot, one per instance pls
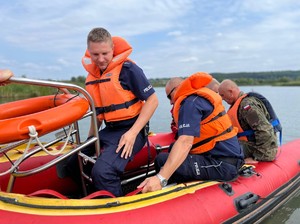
(201, 167)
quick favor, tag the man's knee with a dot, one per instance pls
(101, 169)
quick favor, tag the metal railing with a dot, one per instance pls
(65, 88)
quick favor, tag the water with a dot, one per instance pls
(286, 103)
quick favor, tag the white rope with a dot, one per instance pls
(18, 161)
(34, 135)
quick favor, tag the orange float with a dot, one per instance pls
(46, 113)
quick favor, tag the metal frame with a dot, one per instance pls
(64, 87)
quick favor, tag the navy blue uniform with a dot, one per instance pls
(220, 163)
(109, 166)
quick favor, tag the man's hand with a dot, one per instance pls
(126, 142)
(5, 76)
(150, 184)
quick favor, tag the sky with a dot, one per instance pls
(47, 39)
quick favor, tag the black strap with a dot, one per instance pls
(211, 138)
(113, 107)
(97, 81)
(146, 130)
(217, 116)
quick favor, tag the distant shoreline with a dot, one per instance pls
(272, 78)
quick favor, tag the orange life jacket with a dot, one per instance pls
(244, 134)
(112, 102)
(217, 126)
(232, 112)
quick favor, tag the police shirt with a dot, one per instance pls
(133, 78)
(194, 109)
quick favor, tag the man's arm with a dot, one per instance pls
(128, 139)
(178, 154)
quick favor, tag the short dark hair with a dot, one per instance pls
(99, 34)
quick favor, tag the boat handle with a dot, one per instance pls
(245, 201)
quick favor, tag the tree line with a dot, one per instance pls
(273, 78)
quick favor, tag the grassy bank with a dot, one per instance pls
(22, 91)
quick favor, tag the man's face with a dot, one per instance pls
(226, 95)
(101, 53)
(170, 92)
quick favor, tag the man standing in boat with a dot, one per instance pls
(207, 147)
(256, 120)
(124, 100)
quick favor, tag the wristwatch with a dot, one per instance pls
(163, 181)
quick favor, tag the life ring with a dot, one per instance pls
(46, 113)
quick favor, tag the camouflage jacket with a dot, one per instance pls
(252, 114)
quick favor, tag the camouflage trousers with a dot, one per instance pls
(267, 154)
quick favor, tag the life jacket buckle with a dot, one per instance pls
(109, 108)
(127, 104)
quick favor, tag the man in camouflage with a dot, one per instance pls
(250, 113)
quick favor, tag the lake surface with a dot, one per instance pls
(286, 102)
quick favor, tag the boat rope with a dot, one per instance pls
(18, 161)
(34, 135)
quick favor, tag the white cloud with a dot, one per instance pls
(189, 59)
(271, 6)
(169, 36)
(64, 62)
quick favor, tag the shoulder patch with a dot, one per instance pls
(247, 107)
(127, 64)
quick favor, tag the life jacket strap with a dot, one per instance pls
(114, 107)
(97, 81)
(275, 123)
(222, 113)
(211, 138)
